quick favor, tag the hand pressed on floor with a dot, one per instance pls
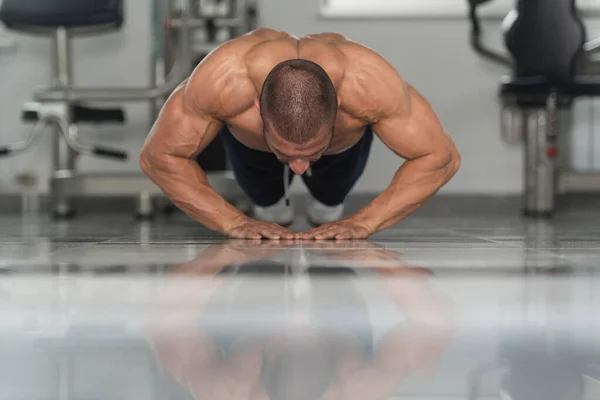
(248, 228)
(347, 229)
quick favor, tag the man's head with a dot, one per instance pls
(298, 106)
(298, 366)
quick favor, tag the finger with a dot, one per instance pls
(327, 234)
(282, 230)
(343, 236)
(313, 233)
(360, 235)
(332, 231)
(317, 229)
(283, 233)
(269, 233)
(252, 234)
(238, 235)
(287, 233)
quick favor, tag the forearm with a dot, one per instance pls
(184, 182)
(413, 184)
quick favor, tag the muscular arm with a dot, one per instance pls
(406, 123)
(188, 122)
(416, 345)
(183, 348)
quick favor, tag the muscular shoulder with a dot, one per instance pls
(222, 85)
(329, 37)
(372, 88)
(324, 49)
(369, 87)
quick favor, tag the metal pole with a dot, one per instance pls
(145, 206)
(242, 17)
(64, 156)
(540, 166)
(160, 12)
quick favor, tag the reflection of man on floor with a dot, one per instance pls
(323, 350)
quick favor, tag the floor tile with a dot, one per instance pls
(103, 308)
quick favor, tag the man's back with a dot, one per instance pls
(234, 74)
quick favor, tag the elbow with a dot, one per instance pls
(448, 163)
(147, 161)
(454, 162)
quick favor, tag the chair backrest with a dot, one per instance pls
(23, 14)
(545, 38)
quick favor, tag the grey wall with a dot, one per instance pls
(434, 56)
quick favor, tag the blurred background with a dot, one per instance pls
(427, 41)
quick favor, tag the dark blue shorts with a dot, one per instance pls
(260, 174)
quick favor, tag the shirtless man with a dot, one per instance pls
(309, 105)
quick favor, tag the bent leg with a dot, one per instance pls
(260, 175)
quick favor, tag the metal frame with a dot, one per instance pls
(545, 175)
(53, 106)
(540, 130)
(184, 23)
(63, 154)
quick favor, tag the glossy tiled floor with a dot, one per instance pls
(444, 307)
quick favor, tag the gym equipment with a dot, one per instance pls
(214, 22)
(63, 106)
(550, 59)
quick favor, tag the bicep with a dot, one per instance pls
(413, 130)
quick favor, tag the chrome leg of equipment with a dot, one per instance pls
(145, 206)
(63, 154)
(540, 160)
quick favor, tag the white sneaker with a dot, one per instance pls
(319, 213)
(279, 213)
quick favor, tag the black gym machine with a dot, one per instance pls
(548, 55)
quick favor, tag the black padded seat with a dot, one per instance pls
(21, 14)
(540, 86)
(545, 43)
(546, 40)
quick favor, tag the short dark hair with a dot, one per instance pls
(298, 100)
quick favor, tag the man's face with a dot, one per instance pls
(298, 365)
(299, 156)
